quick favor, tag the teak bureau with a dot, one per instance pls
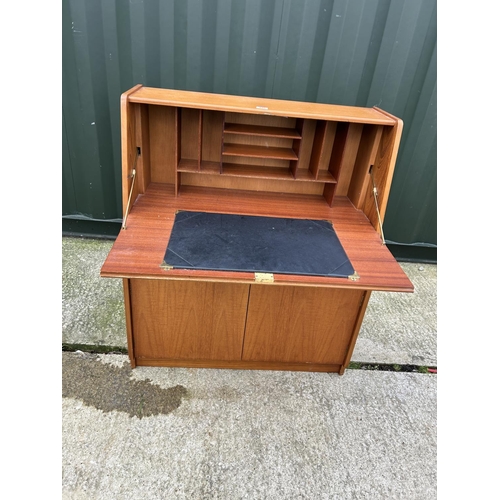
(209, 153)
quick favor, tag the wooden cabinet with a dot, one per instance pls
(189, 151)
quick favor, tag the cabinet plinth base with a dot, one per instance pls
(240, 365)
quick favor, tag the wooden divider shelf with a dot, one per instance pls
(255, 171)
(252, 151)
(259, 130)
(250, 156)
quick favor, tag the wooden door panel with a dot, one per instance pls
(187, 319)
(300, 324)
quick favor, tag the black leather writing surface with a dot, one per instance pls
(225, 242)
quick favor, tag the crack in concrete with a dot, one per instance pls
(107, 388)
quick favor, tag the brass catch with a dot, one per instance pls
(264, 277)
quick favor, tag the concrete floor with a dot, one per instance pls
(162, 433)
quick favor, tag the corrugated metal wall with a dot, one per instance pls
(355, 52)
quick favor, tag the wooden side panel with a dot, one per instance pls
(383, 171)
(357, 326)
(162, 123)
(142, 141)
(188, 320)
(128, 137)
(128, 322)
(300, 324)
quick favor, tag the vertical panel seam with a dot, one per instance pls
(245, 323)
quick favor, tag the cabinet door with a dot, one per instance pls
(300, 324)
(187, 319)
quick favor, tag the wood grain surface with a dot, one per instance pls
(139, 250)
(188, 320)
(257, 105)
(300, 324)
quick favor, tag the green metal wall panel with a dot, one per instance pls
(354, 52)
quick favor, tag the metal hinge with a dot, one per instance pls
(354, 277)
